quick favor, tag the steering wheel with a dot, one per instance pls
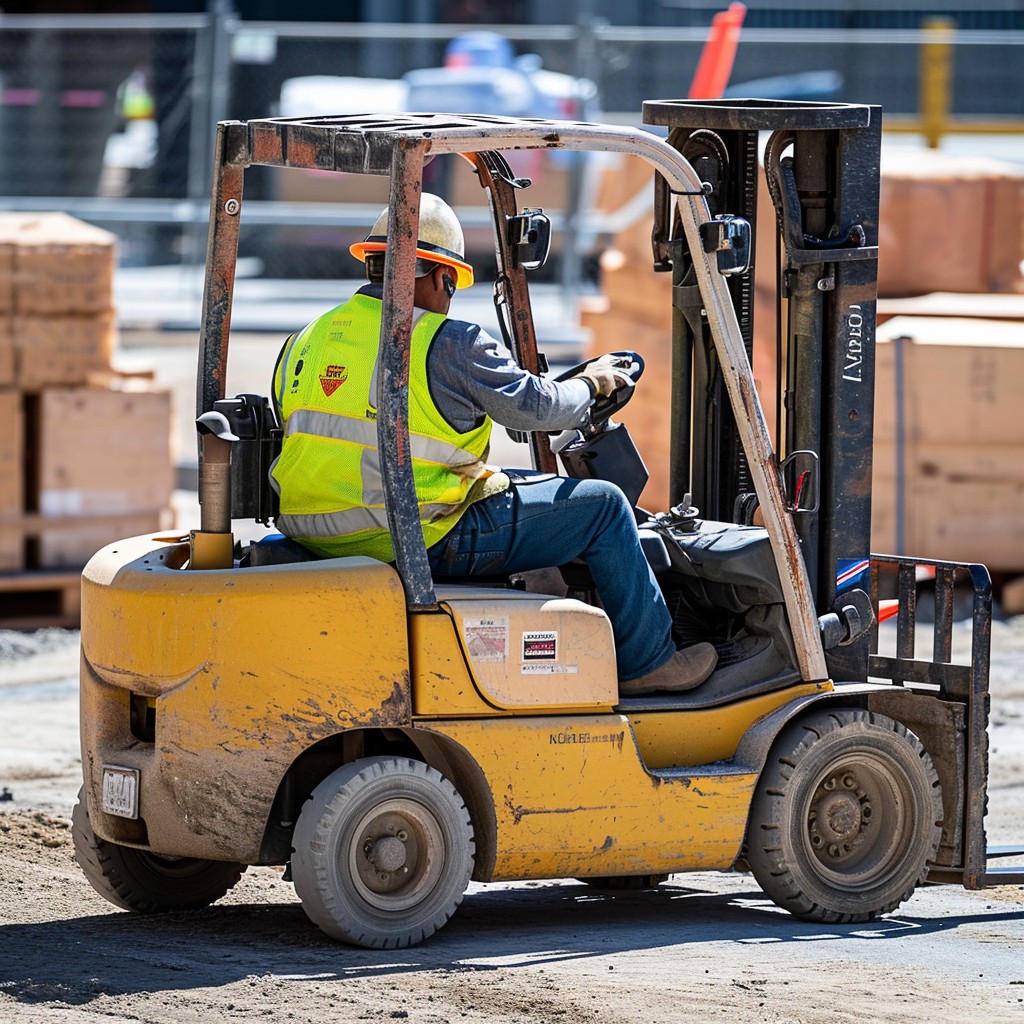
(605, 406)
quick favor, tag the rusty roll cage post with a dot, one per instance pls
(230, 160)
(368, 145)
(212, 544)
(393, 377)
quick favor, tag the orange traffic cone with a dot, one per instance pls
(887, 609)
(716, 59)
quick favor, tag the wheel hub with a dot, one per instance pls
(387, 853)
(840, 813)
(396, 855)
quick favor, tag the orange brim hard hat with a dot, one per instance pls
(424, 251)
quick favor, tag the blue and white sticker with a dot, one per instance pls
(851, 571)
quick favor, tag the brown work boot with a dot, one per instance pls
(685, 670)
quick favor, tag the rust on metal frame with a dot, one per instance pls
(222, 246)
(514, 290)
(266, 145)
(393, 378)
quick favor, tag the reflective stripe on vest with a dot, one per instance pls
(364, 432)
(328, 473)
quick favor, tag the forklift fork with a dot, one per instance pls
(963, 763)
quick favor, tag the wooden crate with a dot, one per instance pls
(37, 600)
(59, 349)
(41, 561)
(100, 450)
(12, 446)
(35, 542)
(55, 264)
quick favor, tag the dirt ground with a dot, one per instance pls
(701, 947)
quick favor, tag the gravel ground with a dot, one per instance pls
(701, 947)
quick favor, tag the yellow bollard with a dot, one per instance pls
(936, 78)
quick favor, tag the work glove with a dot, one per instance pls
(604, 375)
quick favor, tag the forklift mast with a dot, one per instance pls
(821, 161)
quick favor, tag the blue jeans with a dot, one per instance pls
(544, 521)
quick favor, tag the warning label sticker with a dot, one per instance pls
(540, 646)
(486, 639)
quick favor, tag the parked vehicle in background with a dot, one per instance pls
(481, 74)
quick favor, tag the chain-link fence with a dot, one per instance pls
(111, 118)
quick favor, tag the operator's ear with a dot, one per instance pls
(442, 280)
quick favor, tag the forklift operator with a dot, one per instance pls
(476, 520)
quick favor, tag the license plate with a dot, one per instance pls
(121, 791)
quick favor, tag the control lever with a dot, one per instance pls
(683, 517)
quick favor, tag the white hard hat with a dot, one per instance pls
(440, 238)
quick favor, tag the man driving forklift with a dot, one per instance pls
(476, 520)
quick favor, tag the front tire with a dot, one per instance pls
(382, 853)
(846, 817)
(144, 882)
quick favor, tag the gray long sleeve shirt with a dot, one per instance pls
(472, 374)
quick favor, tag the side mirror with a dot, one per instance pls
(529, 235)
(729, 238)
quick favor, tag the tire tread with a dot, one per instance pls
(766, 855)
(117, 873)
(312, 852)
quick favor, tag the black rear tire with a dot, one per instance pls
(143, 882)
(846, 817)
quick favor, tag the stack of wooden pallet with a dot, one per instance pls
(84, 452)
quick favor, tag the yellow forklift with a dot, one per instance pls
(389, 737)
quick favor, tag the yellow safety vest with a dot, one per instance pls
(328, 473)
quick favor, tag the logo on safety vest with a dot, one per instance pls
(332, 378)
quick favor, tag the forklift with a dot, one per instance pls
(387, 737)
